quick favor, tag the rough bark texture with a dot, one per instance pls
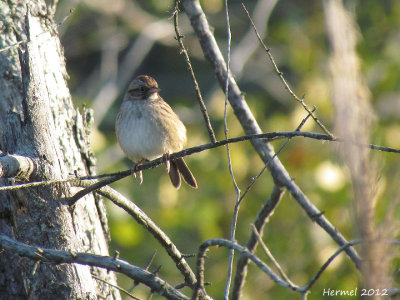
(37, 119)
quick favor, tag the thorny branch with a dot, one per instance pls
(241, 268)
(148, 224)
(243, 113)
(280, 74)
(158, 285)
(204, 247)
(52, 256)
(112, 177)
(232, 245)
(203, 108)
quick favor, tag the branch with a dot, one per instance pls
(260, 221)
(112, 177)
(280, 74)
(308, 286)
(228, 154)
(203, 108)
(232, 245)
(142, 219)
(17, 166)
(271, 257)
(242, 111)
(263, 267)
(52, 256)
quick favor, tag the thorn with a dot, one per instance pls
(316, 216)
(189, 255)
(35, 267)
(149, 262)
(155, 272)
(115, 256)
(181, 286)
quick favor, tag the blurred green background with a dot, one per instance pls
(107, 43)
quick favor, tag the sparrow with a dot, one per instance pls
(147, 128)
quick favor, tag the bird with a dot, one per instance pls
(147, 128)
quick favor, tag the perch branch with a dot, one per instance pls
(112, 177)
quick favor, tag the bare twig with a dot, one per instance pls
(270, 256)
(229, 244)
(308, 286)
(241, 269)
(242, 111)
(271, 136)
(143, 220)
(71, 11)
(255, 178)
(228, 153)
(328, 262)
(259, 222)
(116, 287)
(154, 282)
(203, 108)
(21, 42)
(280, 74)
(263, 267)
(248, 44)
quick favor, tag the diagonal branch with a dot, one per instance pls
(280, 74)
(243, 113)
(261, 219)
(148, 224)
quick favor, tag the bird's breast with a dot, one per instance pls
(145, 133)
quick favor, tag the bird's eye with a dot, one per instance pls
(139, 89)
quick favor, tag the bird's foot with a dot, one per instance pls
(135, 170)
(166, 160)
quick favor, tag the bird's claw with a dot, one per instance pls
(135, 170)
(167, 161)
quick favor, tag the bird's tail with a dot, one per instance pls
(179, 167)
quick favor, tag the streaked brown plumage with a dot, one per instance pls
(148, 128)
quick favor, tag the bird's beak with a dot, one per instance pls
(153, 90)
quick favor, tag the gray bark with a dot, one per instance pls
(37, 120)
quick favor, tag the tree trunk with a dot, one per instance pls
(38, 121)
